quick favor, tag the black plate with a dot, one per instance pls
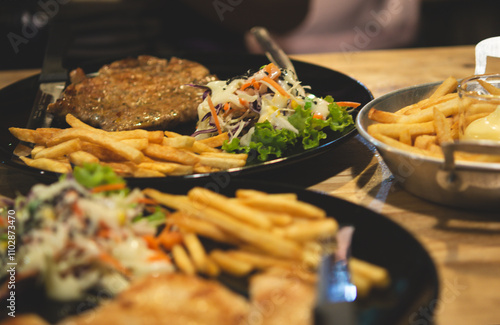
(414, 285)
(17, 99)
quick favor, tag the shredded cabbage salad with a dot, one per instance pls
(270, 112)
(85, 232)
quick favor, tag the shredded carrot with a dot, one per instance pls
(113, 262)
(159, 256)
(227, 106)
(214, 114)
(151, 241)
(272, 70)
(146, 200)
(108, 187)
(249, 84)
(169, 239)
(318, 115)
(243, 102)
(276, 86)
(348, 104)
(104, 230)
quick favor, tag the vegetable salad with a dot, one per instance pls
(269, 112)
(87, 231)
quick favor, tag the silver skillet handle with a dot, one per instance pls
(478, 147)
(273, 52)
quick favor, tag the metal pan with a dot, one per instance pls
(470, 185)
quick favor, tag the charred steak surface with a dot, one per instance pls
(144, 92)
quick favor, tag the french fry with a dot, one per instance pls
(378, 276)
(144, 172)
(233, 208)
(394, 130)
(59, 150)
(246, 193)
(171, 154)
(79, 158)
(221, 163)
(215, 141)
(280, 204)
(197, 252)
(204, 228)
(311, 230)
(229, 264)
(179, 141)
(405, 137)
(167, 168)
(48, 164)
(139, 144)
(442, 126)
(424, 141)
(182, 260)
(489, 87)
(446, 87)
(127, 152)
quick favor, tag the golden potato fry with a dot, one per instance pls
(231, 207)
(80, 157)
(246, 193)
(139, 144)
(59, 150)
(382, 116)
(199, 147)
(280, 204)
(215, 141)
(442, 126)
(204, 228)
(446, 87)
(37, 148)
(167, 168)
(394, 130)
(396, 144)
(172, 134)
(311, 230)
(144, 172)
(489, 87)
(151, 136)
(378, 276)
(128, 152)
(405, 137)
(229, 264)
(197, 252)
(171, 154)
(448, 108)
(424, 141)
(48, 164)
(182, 260)
(179, 141)
(242, 156)
(221, 163)
(101, 153)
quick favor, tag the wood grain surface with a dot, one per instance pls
(465, 245)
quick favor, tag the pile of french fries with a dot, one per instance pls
(134, 153)
(423, 127)
(263, 230)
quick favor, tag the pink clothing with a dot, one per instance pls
(351, 25)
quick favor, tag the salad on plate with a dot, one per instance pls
(270, 113)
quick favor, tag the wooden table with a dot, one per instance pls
(464, 245)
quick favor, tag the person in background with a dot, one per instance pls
(312, 26)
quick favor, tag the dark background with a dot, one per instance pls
(131, 27)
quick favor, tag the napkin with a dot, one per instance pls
(488, 56)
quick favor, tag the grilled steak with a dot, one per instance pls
(144, 92)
